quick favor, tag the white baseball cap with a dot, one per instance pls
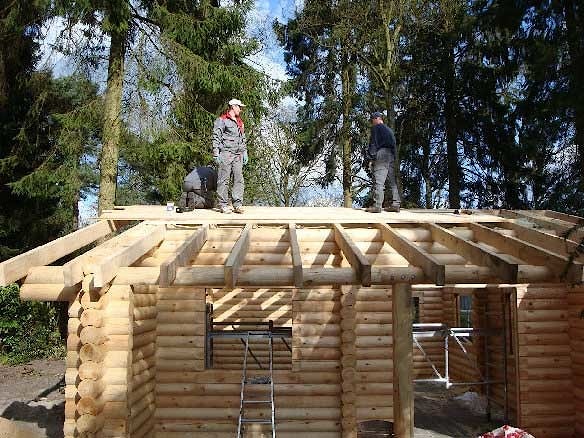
(236, 102)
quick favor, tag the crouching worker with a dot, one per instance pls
(199, 189)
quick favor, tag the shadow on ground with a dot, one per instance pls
(439, 412)
(49, 418)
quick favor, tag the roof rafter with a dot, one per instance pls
(502, 268)
(353, 254)
(17, 267)
(121, 250)
(533, 254)
(432, 268)
(236, 256)
(184, 253)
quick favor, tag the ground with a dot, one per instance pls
(33, 395)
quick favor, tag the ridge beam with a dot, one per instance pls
(296, 258)
(236, 256)
(417, 256)
(183, 255)
(507, 272)
(532, 254)
(353, 254)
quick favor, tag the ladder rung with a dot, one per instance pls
(257, 401)
(256, 420)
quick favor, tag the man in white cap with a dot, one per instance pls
(230, 153)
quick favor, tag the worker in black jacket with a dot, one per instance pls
(381, 153)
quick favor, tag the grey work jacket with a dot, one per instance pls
(227, 136)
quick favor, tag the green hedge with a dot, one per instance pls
(28, 329)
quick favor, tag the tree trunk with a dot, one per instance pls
(347, 90)
(387, 198)
(3, 83)
(451, 129)
(426, 173)
(112, 123)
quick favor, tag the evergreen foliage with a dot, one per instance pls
(45, 130)
(28, 329)
(483, 95)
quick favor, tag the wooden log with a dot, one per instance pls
(143, 299)
(93, 335)
(144, 326)
(89, 405)
(138, 393)
(48, 292)
(91, 388)
(180, 329)
(92, 317)
(142, 313)
(232, 413)
(180, 318)
(403, 411)
(88, 423)
(181, 341)
(180, 293)
(91, 371)
(181, 306)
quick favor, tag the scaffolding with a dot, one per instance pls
(458, 335)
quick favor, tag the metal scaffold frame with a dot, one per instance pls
(438, 330)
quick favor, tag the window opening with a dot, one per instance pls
(416, 310)
(464, 307)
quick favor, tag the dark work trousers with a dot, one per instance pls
(383, 170)
(231, 162)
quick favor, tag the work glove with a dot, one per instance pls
(245, 158)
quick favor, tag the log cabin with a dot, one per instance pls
(352, 308)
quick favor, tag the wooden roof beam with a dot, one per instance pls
(74, 270)
(564, 217)
(236, 256)
(432, 268)
(17, 267)
(183, 255)
(105, 270)
(536, 236)
(353, 254)
(532, 254)
(540, 220)
(503, 269)
(296, 258)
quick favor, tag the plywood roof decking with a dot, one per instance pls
(303, 246)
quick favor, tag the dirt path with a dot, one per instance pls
(33, 394)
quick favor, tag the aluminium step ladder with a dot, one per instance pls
(244, 402)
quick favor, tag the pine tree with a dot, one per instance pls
(44, 132)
